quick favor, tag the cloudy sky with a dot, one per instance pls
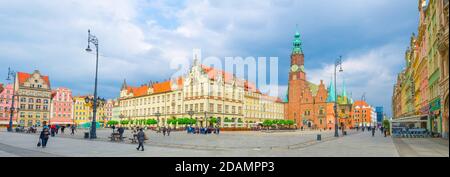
(140, 40)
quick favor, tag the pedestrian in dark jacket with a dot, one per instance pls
(72, 128)
(373, 132)
(44, 137)
(53, 130)
(121, 130)
(168, 131)
(164, 131)
(62, 129)
(141, 139)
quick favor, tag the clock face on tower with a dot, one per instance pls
(302, 68)
(294, 68)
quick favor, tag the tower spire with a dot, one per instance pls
(297, 44)
(331, 98)
(344, 91)
(124, 84)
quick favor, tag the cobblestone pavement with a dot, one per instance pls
(227, 144)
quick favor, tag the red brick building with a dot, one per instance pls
(307, 103)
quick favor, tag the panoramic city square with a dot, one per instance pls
(236, 144)
(207, 78)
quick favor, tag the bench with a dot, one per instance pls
(115, 137)
(133, 140)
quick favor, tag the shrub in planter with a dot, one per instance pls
(112, 122)
(151, 122)
(124, 122)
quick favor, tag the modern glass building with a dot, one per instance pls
(379, 111)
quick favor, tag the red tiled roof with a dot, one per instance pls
(213, 73)
(25, 76)
(162, 87)
(140, 91)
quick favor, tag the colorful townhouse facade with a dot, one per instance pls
(6, 95)
(34, 94)
(422, 87)
(83, 112)
(61, 110)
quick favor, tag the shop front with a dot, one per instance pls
(435, 118)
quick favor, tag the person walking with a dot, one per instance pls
(72, 128)
(53, 130)
(168, 131)
(121, 131)
(62, 129)
(381, 130)
(373, 132)
(43, 137)
(217, 129)
(57, 129)
(164, 130)
(141, 138)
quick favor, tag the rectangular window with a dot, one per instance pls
(211, 107)
(219, 108)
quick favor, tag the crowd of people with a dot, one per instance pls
(138, 133)
(202, 130)
(373, 129)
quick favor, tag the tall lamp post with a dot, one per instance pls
(157, 114)
(206, 119)
(11, 114)
(191, 113)
(95, 102)
(92, 39)
(336, 64)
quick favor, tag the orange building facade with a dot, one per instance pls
(307, 103)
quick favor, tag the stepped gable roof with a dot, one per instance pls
(313, 88)
(158, 87)
(213, 73)
(22, 76)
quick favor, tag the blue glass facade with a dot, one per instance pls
(379, 111)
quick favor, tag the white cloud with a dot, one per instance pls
(140, 39)
(372, 72)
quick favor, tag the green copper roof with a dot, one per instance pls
(344, 91)
(314, 88)
(331, 98)
(297, 44)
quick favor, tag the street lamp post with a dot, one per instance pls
(206, 120)
(191, 113)
(157, 114)
(92, 39)
(336, 64)
(11, 114)
(96, 102)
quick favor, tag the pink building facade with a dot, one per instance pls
(6, 93)
(61, 111)
(108, 109)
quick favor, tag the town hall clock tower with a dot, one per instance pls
(297, 82)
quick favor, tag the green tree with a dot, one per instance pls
(213, 120)
(267, 123)
(386, 124)
(112, 122)
(151, 122)
(124, 122)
